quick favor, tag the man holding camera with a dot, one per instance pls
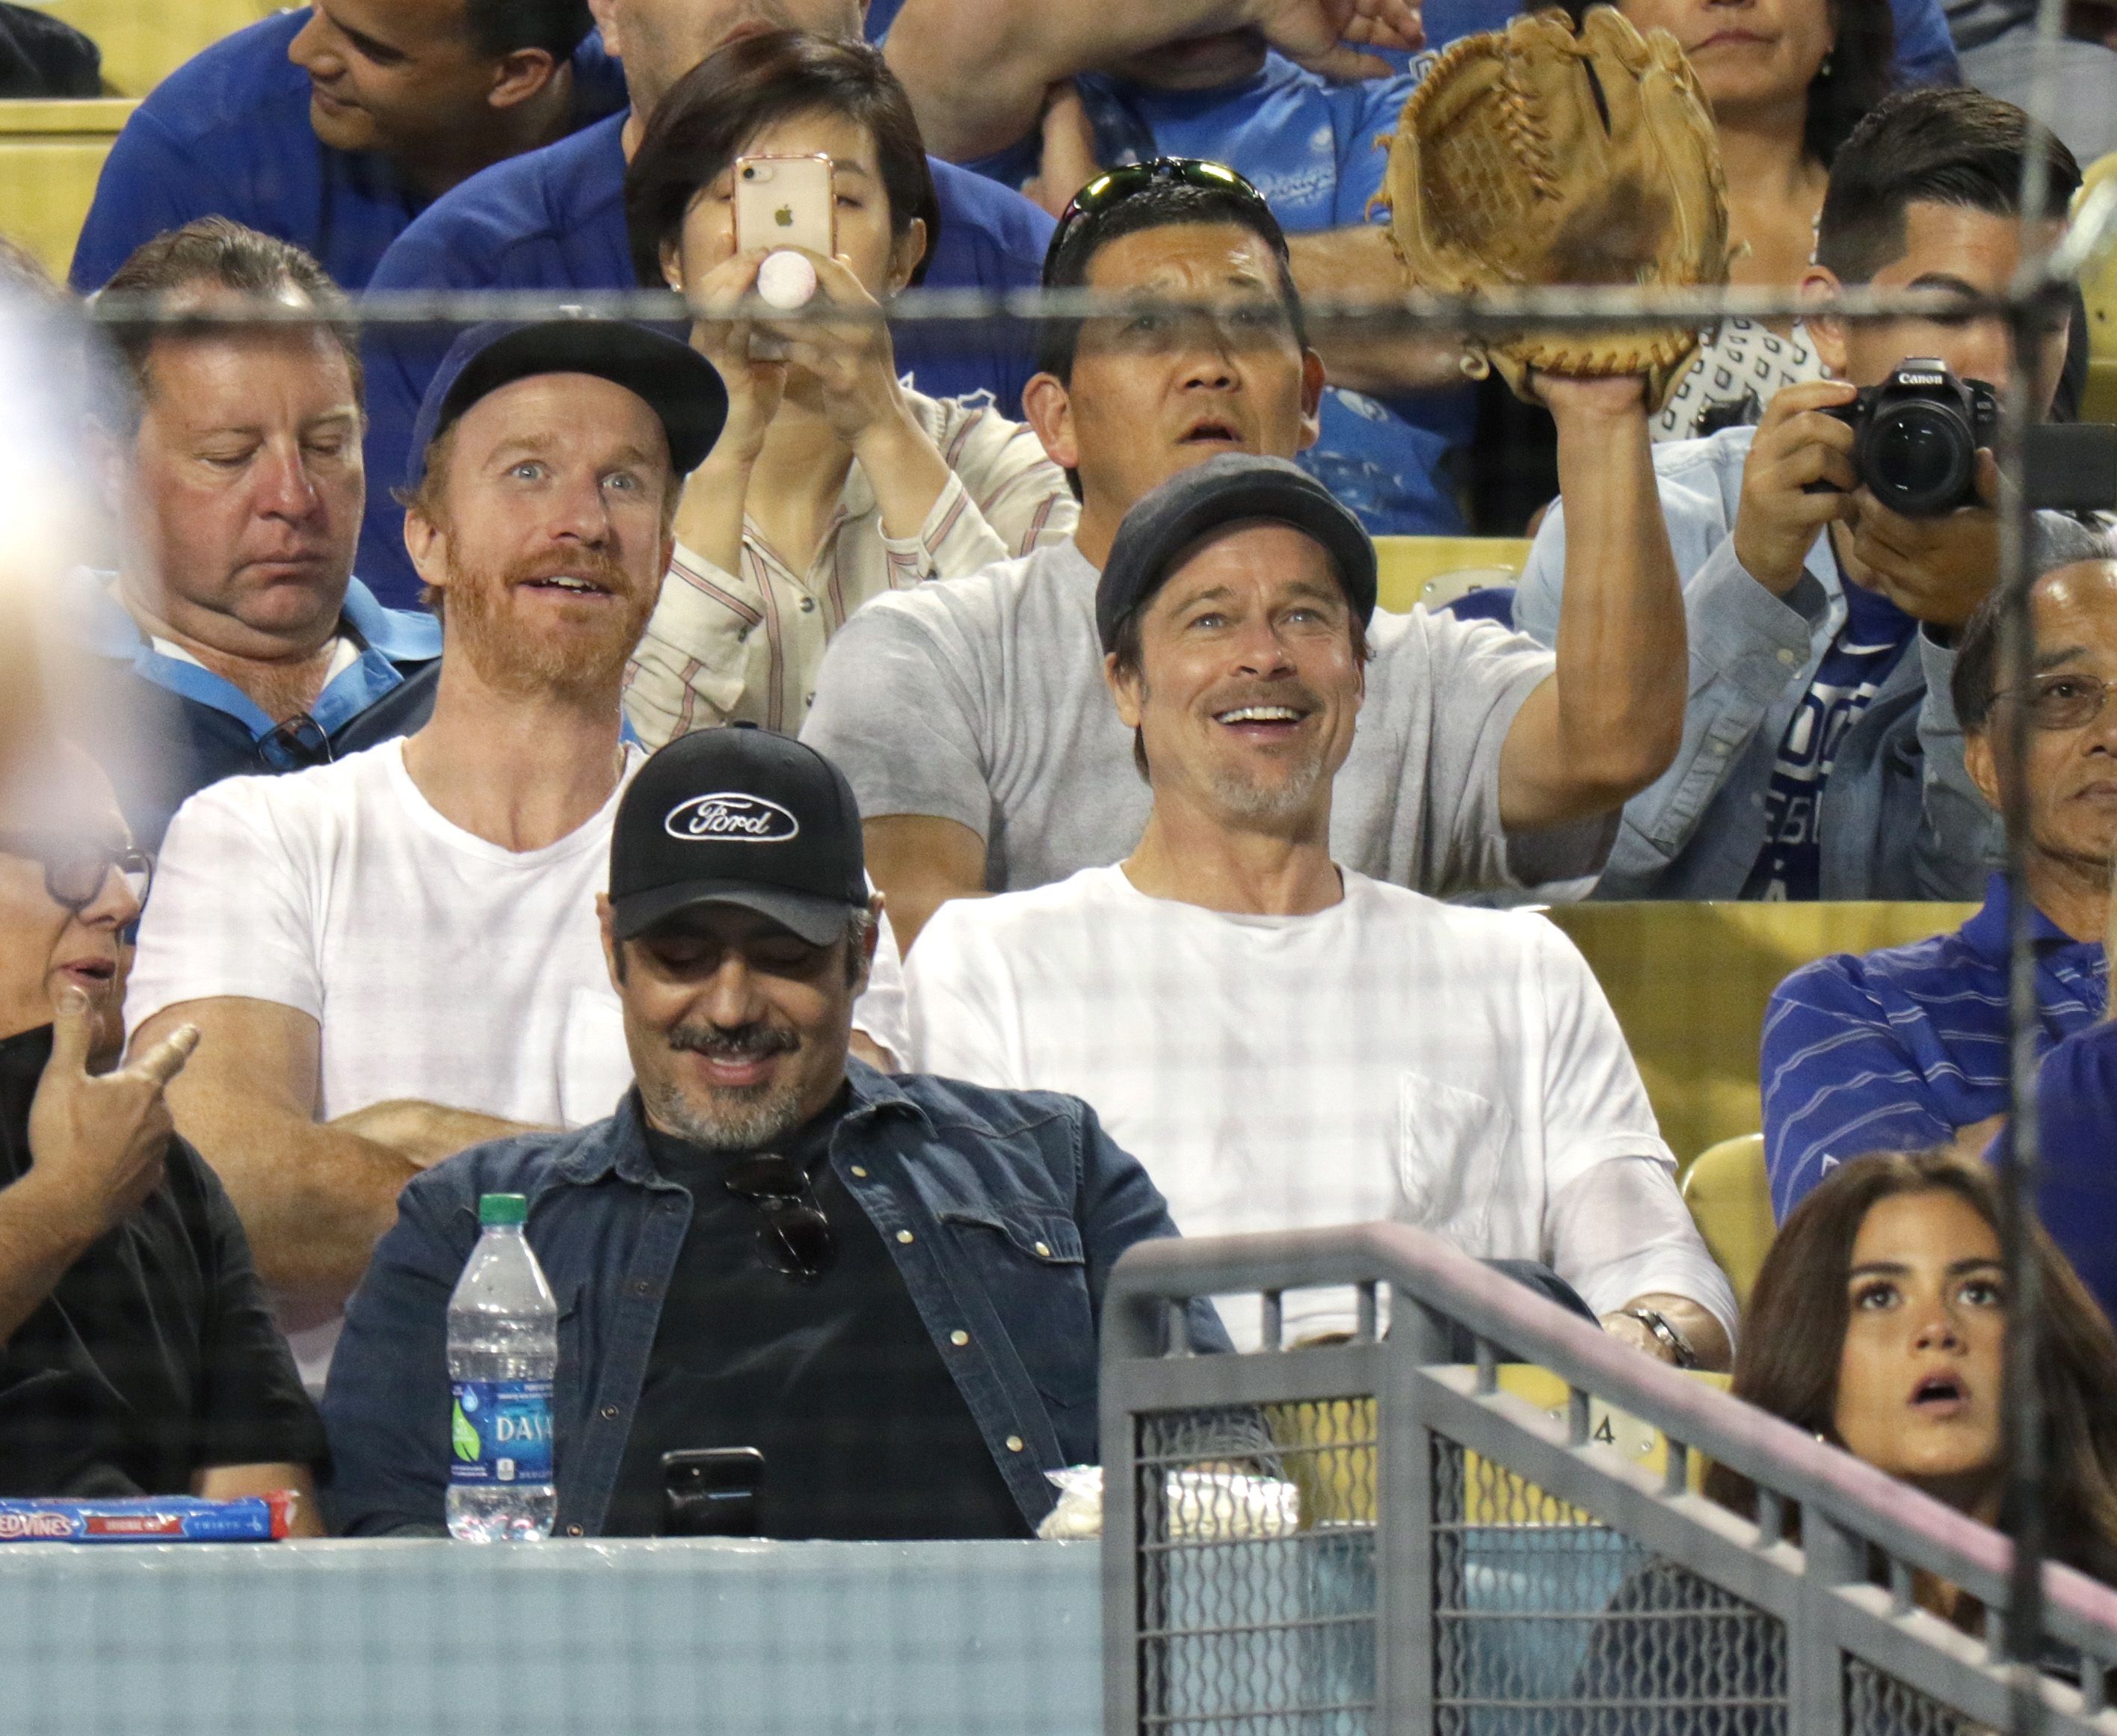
(1830, 554)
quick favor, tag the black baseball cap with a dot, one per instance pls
(1231, 488)
(679, 385)
(738, 816)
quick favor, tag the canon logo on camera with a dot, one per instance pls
(731, 816)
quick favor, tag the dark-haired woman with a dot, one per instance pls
(833, 480)
(1788, 80)
(1878, 1324)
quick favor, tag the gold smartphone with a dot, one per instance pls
(785, 202)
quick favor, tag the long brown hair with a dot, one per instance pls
(1794, 1330)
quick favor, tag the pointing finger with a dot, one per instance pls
(166, 1059)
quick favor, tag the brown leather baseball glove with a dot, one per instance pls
(1530, 157)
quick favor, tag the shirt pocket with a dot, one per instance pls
(1035, 1273)
(1451, 1145)
(595, 1066)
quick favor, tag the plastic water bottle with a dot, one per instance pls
(503, 1351)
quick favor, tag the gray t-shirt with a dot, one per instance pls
(981, 700)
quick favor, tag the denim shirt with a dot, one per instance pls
(1005, 1211)
(1898, 817)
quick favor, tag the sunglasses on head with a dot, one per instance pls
(77, 870)
(795, 1237)
(1114, 186)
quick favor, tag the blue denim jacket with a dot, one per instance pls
(1005, 1211)
(1899, 819)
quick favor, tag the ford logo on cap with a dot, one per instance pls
(731, 817)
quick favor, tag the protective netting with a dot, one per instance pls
(1546, 1621)
(1879, 1705)
(1543, 1622)
(1258, 1619)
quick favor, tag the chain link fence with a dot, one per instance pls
(1481, 1549)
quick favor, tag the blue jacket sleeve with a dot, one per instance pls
(386, 1406)
(1744, 643)
(1838, 1082)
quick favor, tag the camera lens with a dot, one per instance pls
(1917, 459)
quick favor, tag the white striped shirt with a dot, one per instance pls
(726, 647)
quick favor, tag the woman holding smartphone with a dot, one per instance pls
(833, 480)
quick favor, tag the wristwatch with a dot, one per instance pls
(1666, 1335)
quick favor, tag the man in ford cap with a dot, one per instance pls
(889, 1287)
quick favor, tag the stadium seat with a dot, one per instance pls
(1731, 1199)
(1437, 569)
(2098, 288)
(50, 155)
(1688, 983)
(143, 41)
(1330, 1451)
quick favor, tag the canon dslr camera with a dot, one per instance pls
(1917, 435)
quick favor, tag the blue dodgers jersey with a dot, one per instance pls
(555, 220)
(1311, 148)
(1867, 648)
(228, 134)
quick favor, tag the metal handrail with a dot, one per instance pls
(1905, 1523)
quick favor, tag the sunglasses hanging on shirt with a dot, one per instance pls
(795, 1237)
(294, 746)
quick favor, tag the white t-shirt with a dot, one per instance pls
(1391, 1057)
(439, 966)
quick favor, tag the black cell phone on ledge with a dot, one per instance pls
(711, 1491)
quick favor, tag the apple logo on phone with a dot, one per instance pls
(784, 216)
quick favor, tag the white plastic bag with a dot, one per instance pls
(1203, 1506)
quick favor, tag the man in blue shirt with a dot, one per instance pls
(890, 1287)
(2076, 1108)
(1907, 1048)
(235, 639)
(1820, 755)
(555, 220)
(333, 125)
(1208, 78)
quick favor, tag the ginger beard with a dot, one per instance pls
(584, 662)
